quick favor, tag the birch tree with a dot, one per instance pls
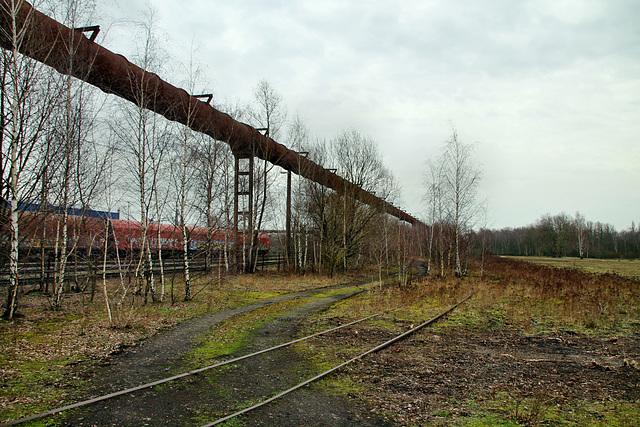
(451, 183)
(25, 108)
(462, 176)
(298, 139)
(187, 170)
(580, 224)
(434, 181)
(72, 136)
(142, 134)
(109, 176)
(184, 174)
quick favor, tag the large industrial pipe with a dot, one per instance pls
(58, 46)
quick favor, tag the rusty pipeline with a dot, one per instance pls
(70, 52)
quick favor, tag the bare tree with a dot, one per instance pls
(343, 221)
(79, 178)
(211, 185)
(484, 231)
(71, 138)
(405, 250)
(158, 169)
(381, 245)
(71, 135)
(317, 205)
(434, 181)
(269, 115)
(581, 234)
(25, 108)
(298, 248)
(188, 142)
(563, 229)
(184, 182)
(112, 195)
(462, 175)
(142, 134)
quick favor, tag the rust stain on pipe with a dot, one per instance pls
(51, 43)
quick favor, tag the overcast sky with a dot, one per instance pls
(548, 89)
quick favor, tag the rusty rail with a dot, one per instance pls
(58, 46)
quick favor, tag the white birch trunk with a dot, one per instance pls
(13, 173)
(104, 274)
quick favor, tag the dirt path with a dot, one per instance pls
(285, 369)
(200, 399)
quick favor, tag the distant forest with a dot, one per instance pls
(563, 236)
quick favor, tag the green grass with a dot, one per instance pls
(41, 349)
(35, 363)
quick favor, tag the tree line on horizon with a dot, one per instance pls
(563, 236)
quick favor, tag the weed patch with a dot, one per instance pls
(536, 346)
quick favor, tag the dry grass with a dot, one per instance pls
(514, 300)
(281, 283)
(623, 267)
(540, 297)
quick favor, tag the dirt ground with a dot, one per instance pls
(208, 396)
(450, 376)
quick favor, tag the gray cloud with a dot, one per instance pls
(550, 90)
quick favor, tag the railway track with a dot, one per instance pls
(339, 366)
(186, 376)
